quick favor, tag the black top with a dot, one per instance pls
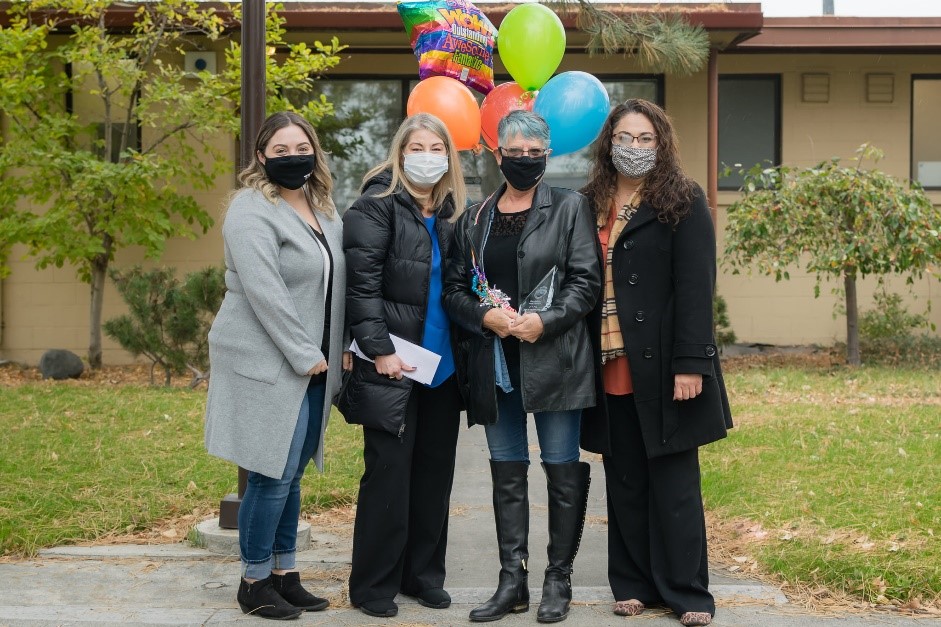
(501, 266)
(325, 343)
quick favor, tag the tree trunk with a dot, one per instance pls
(852, 319)
(99, 274)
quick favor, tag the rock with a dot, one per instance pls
(60, 364)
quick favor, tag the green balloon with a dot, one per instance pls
(531, 42)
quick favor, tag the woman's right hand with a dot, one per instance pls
(498, 321)
(391, 366)
(321, 367)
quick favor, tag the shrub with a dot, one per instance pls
(168, 321)
(890, 334)
(720, 319)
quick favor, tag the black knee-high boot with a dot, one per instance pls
(568, 501)
(511, 512)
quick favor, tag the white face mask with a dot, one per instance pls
(425, 168)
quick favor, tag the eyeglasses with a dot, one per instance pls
(626, 139)
(513, 153)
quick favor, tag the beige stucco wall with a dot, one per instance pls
(45, 309)
(762, 310)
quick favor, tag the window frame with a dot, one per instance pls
(776, 86)
(405, 81)
(911, 127)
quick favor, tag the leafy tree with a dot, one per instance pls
(836, 221)
(78, 188)
(168, 321)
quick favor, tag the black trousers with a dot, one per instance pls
(656, 524)
(401, 532)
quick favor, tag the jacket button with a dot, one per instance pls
(521, 254)
(629, 244)
(639, 316)
(710, 351)
(632, 279)
(648, 353)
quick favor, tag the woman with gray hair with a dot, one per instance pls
(396, 237)
(523, 274)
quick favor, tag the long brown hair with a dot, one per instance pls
(667, 187)
(318, 186)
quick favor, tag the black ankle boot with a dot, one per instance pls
(568, 500)
(261, 599)
(289, 587)
(511, 512)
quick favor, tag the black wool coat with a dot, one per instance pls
(556, 371)
(388, 261)
(664, 280)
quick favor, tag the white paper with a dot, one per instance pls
(425, 361)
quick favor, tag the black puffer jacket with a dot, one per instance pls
(388, 262)
(556, 371)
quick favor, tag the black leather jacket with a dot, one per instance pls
(388, 263)
(556, 371)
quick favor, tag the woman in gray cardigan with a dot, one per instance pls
(276, 351)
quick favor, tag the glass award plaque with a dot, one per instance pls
(540, 298)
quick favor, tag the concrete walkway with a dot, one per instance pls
(181, 585)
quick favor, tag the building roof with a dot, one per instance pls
(738, 27)
(846, 34)
(726, 23)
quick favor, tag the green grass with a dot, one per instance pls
(82, 462)
(842, 469)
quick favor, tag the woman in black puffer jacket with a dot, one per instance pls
(396, 238)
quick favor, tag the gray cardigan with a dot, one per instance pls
(268, 332)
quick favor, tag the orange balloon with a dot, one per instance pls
(500, 101)
(451, 102)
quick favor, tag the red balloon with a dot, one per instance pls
(500, 101)
(451, 102)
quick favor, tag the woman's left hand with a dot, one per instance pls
(528, 327)
(347, 361)
(686, 386)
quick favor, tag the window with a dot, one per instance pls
(374, 108)
(749, 125)
(117, 134)
(926, 130)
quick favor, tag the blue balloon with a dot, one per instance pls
(575, 105)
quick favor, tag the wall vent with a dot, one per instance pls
(815, 87)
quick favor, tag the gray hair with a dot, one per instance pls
(526, 124)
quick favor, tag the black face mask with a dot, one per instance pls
(290, 172)
(523, 173)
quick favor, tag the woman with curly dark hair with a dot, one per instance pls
(657, 361)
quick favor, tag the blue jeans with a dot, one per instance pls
(271, 507)
(558, 432)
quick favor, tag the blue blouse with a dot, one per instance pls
(437, 332)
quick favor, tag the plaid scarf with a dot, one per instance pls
(612, 343)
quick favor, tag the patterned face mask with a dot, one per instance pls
(634, 163)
